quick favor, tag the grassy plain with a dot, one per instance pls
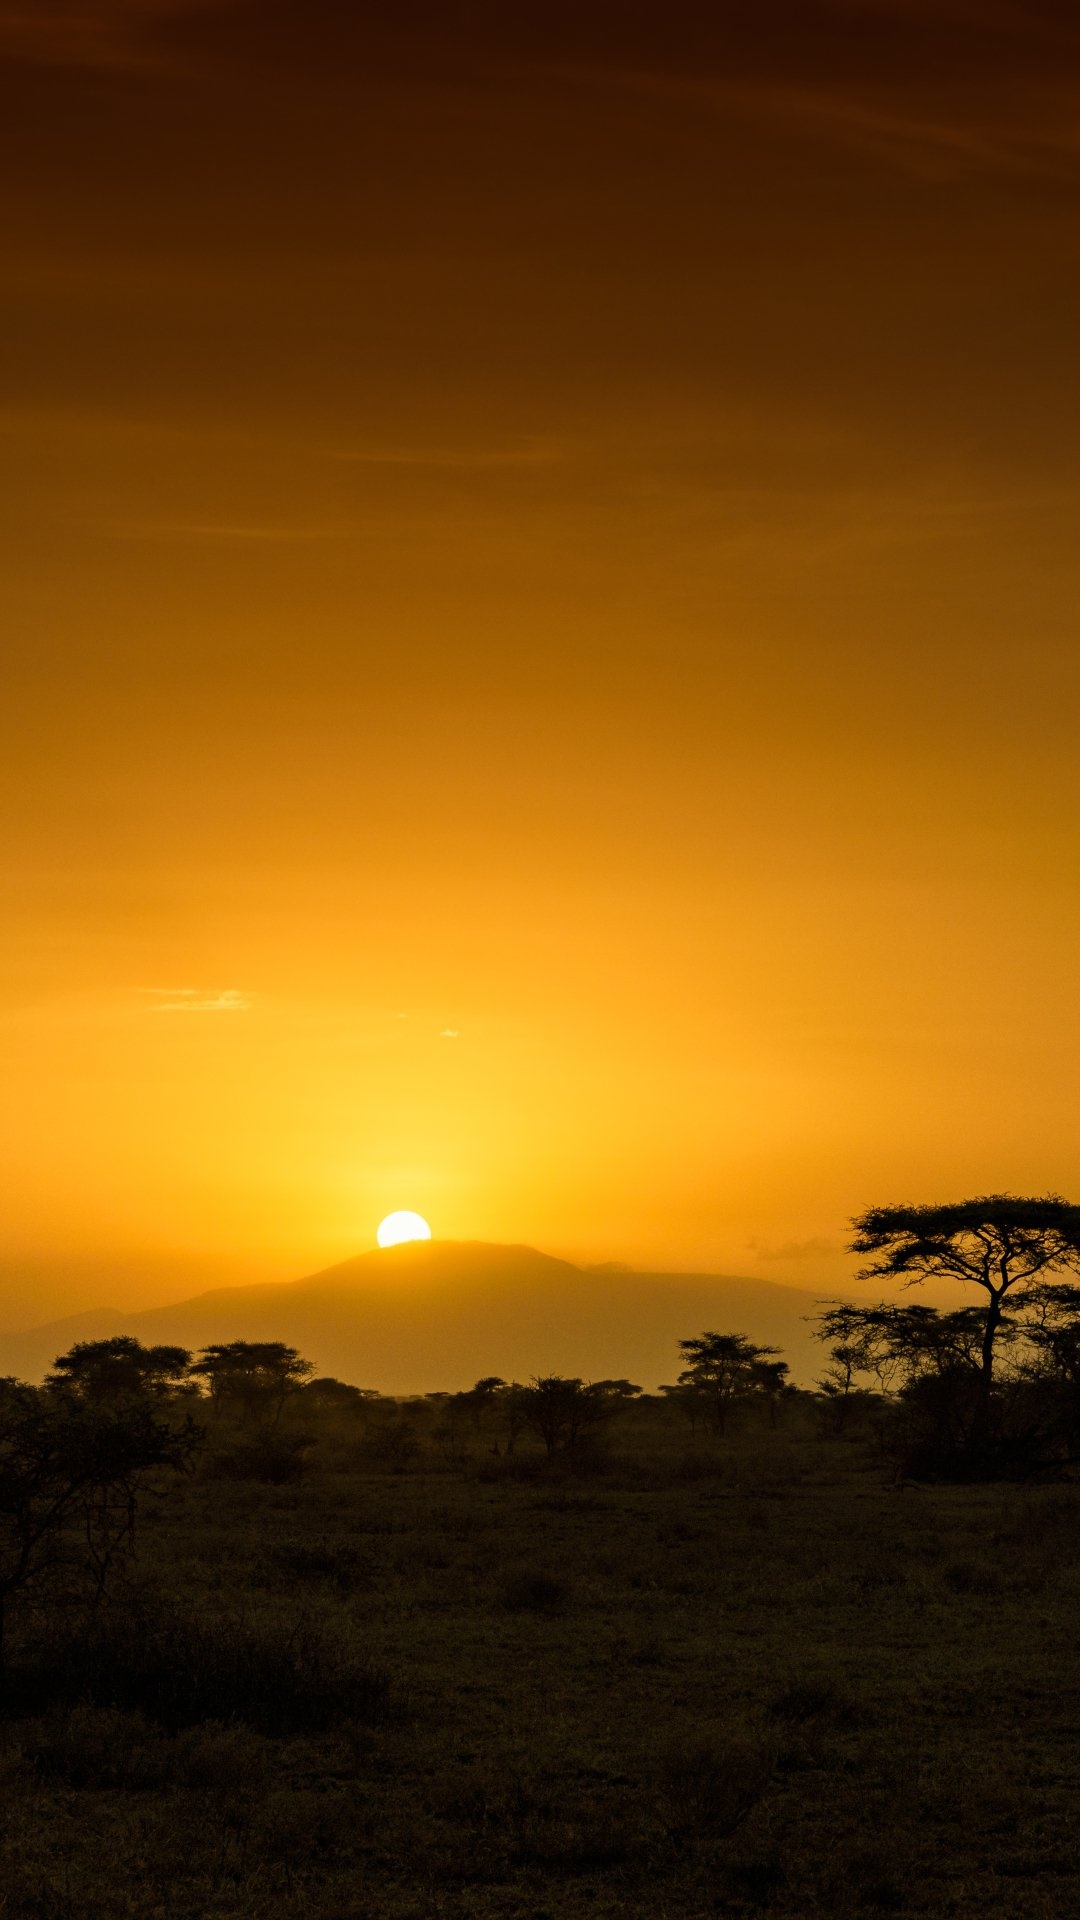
(748, 1676)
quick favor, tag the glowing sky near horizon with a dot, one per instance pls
(539, 583)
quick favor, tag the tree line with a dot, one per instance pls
(987, 1389)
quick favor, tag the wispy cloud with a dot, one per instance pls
(928, 145)
(197, 1000)
(944, 135)
(90, 33)
(525, 453)
(816, 1249)
(223, 532)
(450, 1033)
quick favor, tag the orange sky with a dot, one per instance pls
(539, 572)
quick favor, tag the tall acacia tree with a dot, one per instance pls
(999, 1242)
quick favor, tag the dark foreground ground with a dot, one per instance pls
(754, 1678)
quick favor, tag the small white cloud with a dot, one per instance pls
(450, 1033)
(197, 1000)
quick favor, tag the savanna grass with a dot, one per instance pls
(748, 1678)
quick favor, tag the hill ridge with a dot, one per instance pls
(438, 1314)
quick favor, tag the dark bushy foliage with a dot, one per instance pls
(269, 1456)
(180, 1667)
(528, 1590)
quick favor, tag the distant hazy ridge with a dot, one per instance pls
(436, 1315)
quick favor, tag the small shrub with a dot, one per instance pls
(810, 1716)
(709, 1784)
(514, 1467)
(814, 1700)
(338, 1562)
(643, 1648)
(528, 1591)
(392, 1446)
(214, 1757)
(971, 1577)
(274, 1459)
(557, 1817)
(561, 1842)
(94, 1747)
(868, 1879)
(295, 1825)
(758, 1877)
(700, 1466)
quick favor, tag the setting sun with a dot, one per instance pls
(398, 1227)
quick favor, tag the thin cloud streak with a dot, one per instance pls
(99, 34)
(224, 532)
(1039, 135)
(531, 454)
(817, 1248)
(198, 1000)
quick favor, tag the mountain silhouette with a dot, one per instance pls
(434, 1315)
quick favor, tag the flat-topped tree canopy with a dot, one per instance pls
(998, 1241)
(120, 1367)
(1002, 1242)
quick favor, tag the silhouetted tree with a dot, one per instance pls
(769, 1382)
(688, 1402)
(724, 1368)
(338, 1396)
(71, 1472)
(562, 1411)
(895, 1343)
(1003, 1244)
(839, 1381)
(1052, 1374)
(481, 1405)
(120, 1368)
(928, 1366)
(507, 1412)
(479, 1399)
(479, 1409)
(256, 1377)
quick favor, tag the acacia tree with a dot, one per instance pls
(897, 1344)
(120, 1369)
(71, 1474)
(254, 1376)
(1052, 1339)
(924, 1362)
(338, 1396)
(562, 1411)
(724, 1368)
(1002, 1244)
(479, 1408)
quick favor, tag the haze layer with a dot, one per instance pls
(433, 1318)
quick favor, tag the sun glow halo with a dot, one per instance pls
(399, 1227)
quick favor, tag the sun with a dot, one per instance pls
(402, 1226)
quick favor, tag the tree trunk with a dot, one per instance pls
(981, 1429)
